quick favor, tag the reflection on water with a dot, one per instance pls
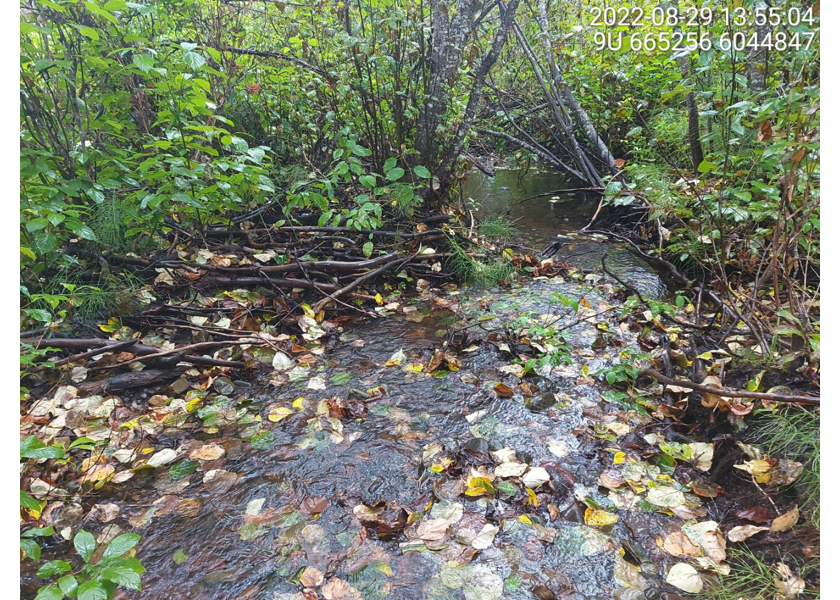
(536, 205)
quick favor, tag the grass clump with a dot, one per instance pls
(497, 229)
(795, 433)
(479, 273)
(751, 578)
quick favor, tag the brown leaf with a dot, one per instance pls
(540, 591)
(338, 589)
(765, 132)
(207, 452)
(503, 391)
(790, 586)
(432, 530)
(786, 521)
(705, 489)
(311, 577)
(756, 514)
(678, 544)
(314, 505)
(742, 532)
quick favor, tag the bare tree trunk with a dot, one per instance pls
(449, 38)
(757, 61)
(693, 118)
(444, 170)
(582, 119)
(561, 114)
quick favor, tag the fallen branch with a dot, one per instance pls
(357, 282)
(727, 393)
(124, 381)
(140, 350)
(198, 346)
(221, 233)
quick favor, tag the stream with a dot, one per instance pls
(378, 494)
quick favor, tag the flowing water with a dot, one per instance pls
(538, 207)
(326, 491)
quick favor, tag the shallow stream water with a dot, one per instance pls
(268, 519)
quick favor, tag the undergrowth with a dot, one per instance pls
(498, 229)
(751, 578)
(82, 303)
(795, 433)
(478, 273)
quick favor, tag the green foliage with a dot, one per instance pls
(498, 229)
(114, 138)
(480, 273)
(543, 332)
(627, 370)
(95, 579)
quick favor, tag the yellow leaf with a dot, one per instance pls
(379, 300)
(525, 519)
(599, 518)
(479, 486)
(278, 413)
(532, 497)
(298, 404)
(619, 458)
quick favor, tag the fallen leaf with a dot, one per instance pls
(207, 452)
(311, 577)
(535, 477)
(703, 455)
(710, 400)
(665, 496)
(219, 481)
(483, 584)
(97, 473)
(680, 545)
(599, 518)
(686, 578)
(485, 537)
(760, 469)
(432, 530)
(254, 507)
(503, 391)
(618, 428)
(510, 469)
(396, 359)
(106, 512)
(742, 532)
(558, 448)
(448, 511)
(789, 585)
(479, 486)
(277, 413)
(281, 362)
(162, 457)
(709, 537)
(785, 472)
(316, 383)
(756, 514)
(314, 505)
(338, 589)
(786, 521)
